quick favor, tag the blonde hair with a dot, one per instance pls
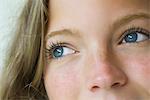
(22, 75)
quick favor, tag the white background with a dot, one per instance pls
(9, 11)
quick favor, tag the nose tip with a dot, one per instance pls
(106, 77)
(104, 74)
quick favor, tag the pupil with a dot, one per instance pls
(131, 37)
(58, 52)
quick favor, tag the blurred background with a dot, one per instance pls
(9, 12)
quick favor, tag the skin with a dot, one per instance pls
(97, 66)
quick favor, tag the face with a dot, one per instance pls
(98, 50)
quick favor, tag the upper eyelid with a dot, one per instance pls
(137, 29)
(67, 45)
(126, 32)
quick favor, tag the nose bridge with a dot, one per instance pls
(104, 73)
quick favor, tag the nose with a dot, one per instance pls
(105, 75)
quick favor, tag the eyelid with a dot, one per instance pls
(133, 29)
(52, 46)
(62, 44)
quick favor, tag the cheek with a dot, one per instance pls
(138, 69)
(62, 81)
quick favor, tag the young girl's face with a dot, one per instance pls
(98, 50)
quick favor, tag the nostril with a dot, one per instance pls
(94, 88)
(115, 85)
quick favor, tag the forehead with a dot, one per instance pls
(95, 15)
(89, 3)
(76, 7)
(99, 1)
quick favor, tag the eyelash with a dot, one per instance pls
(53, 46)
(134, 29)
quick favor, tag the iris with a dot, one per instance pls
(58, 52)
(132, 37)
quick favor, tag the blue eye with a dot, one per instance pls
(132, 37)
(135, 35)
(58, 51)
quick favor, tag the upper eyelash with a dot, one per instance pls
(134, 29)
(138, 29)
(52, 46)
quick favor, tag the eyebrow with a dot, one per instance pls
(128, 18)
(64, 32)
(118, 23)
